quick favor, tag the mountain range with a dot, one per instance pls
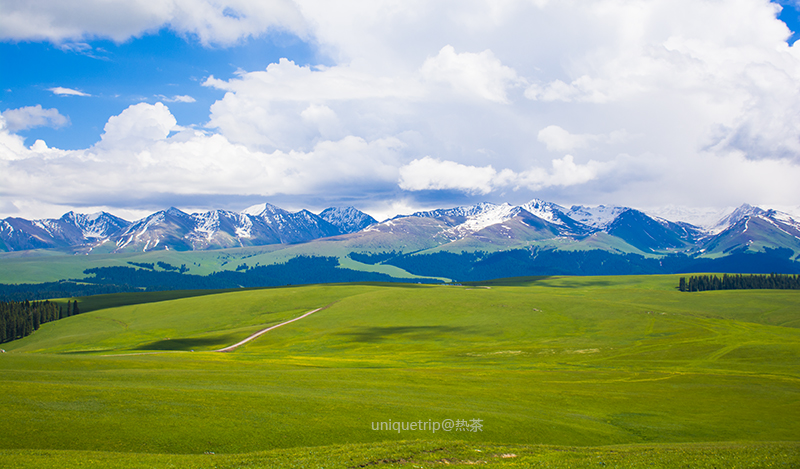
(173, 229)
(482, 227)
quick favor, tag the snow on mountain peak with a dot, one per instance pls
(741, 212)
(544, 210)
(207, 223)
(705, 218)
(260, 210)
(347, 219)
(597, 217)
(488, 216)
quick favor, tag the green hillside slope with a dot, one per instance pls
(547, 361)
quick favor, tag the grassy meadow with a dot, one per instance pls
(559, 371)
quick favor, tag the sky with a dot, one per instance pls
(678, 106)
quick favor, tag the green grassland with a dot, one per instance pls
(561, 371)
(42, 266)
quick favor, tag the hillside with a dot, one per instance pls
(547, 361)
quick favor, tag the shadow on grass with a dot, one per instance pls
(583, 283)
(379, 334)
(508, 282)
(189, 343)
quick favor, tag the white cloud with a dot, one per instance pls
(137, 126)
(176, 98)
(212, 22)
(290, 107)
(565, 173)
(324, 118)
(705, 91)
(481, 75)
(137, 159)
(557, 139)
(61, 91)
(433, 174)
(287, 81)
(583, 88)
(33, 116)
(75, 47)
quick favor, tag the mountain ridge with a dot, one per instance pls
(479, 227)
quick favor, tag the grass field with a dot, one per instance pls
(559, 372)
(51, 266)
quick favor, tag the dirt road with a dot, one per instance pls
(264, 331)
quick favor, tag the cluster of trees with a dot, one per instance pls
(163, 265)
(20, 318)
(739, 282)
(373, 258)
(296, 271)
(62, 289)
(477, 266)
(171, 267)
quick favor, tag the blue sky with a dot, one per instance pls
(682, 106)
(791, 17)
(138, 70)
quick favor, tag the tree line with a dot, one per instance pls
(739, 282)
(478, 266)
(20, 318)
(61, 289)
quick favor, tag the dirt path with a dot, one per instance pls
(264, 331)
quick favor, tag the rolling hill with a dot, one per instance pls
(559, 371)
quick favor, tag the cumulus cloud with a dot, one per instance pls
(212, 22)
(137, 157)
(433, 174)
(565, 172)
(33, 116)
(137, 126)
(287, 81)
(706, 93)
(288, 106)
(480, 75)
(324, 118)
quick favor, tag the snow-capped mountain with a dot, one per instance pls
(537, 218)
(482, 226)
(166, 229)
(461, 221)
(740, 213)
(174, 229)
(98, 225)
(597, 217)
(612, 228)
(752, 228)
(347, 219)
(258, 225)
(467, 220)
(70, 230)
(705, 218)
(650, 234)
